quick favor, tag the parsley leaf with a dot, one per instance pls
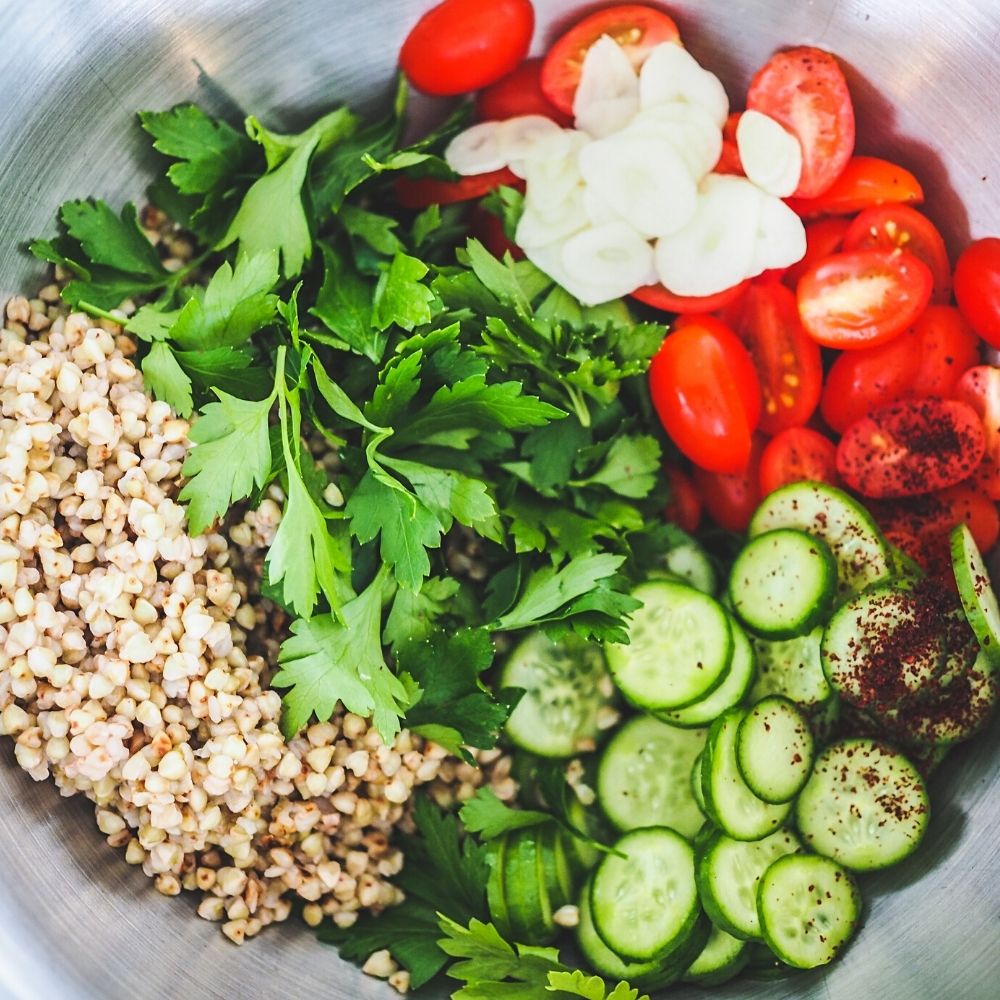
(454, 708)
(414, 612)
(400, 298)
(344, 306)
(168, 380)
(374, 229)
(329, 660)
(226, 368)
(630, 467)
(486, 815)
(579, 984)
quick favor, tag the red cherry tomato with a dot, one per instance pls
(488, 228)
(946, 349)
(885, 227)
(910, 447)
(864, 298)
(684, 506)
(705, 390)
(729, 159)
(979, 387)
(464, 45)
(419, 192)
(657, 297)
(977, 288)
(635, 27)
(859, 382)
(732, 499)
(788, 362)
(805, 90)
(823, 238)
(518, 93)
(797, 454)
(866, 181)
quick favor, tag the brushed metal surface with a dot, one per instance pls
(75, 922)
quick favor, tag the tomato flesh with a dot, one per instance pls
(465, 45)
(706, 394)
(823, 238)
(636, 27)
(886, 227)
(657, 297)
(977, 288)
(419, 192)
(788, 362)
(805, 90)
(979, 388)
(684, 506)
(865, 181)
(864, 298)
(729, 158)
(518, 93)
(731, 498)
(911, 447)
(798, 454)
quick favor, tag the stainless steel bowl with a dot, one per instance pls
(75, 921)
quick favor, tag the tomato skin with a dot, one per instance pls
(885, 227)
(977, 287)
(979, 388)
(865, 181)
(729, 158)
(797, 454)
(684, 506)
(911, 447)
(947, 349)
(731, 499)
(465, 45)
(657, 297)
(705, 391)
(788, 362)
(823, 238)
(636, 27)
(488, 228)
(419, 192)
(518, 93)
(890, 288)
(806, 91)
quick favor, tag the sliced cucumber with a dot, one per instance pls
(528, 906)
(904, 567)
(697, 789)
(730, 692)
(566, 684)
(976, 591)
(774, 749)
(793, 668)
(722, 958)
(783, 583)
(830, 514)
(882, 648)
(730, 803)
(553, 868)
(644, 776)
(496, 898)
(680, 647)
(690, 563)
(643, 898)
(809, 908)
(865, 805)
(728, 873)
(581, 855)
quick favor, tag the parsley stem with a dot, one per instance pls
(579, 406)
(92, 310)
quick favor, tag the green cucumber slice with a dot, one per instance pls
(976, 591)
(774, 749)
(793, 668)
(722, 958)
(527, 905)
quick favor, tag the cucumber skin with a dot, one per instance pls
(496, 899)
(522, 889)
(711, 907)
(725, 972)
(812, 750)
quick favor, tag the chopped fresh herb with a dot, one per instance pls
(486, 815)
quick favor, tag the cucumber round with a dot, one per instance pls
(783, 583)
(528, 906)
(774, 749)
(976, 591)
(565, 684)
(722, 958)
(690, 563)
(809, 909)
(865, 805)
(644, 776)
(643, 898)
(793, 668)
(680, 647)
(496, 898)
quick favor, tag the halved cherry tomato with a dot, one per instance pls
(947, 348)
(731, 499)
(518, 93)
(805, 90)
(684, 506)
(788, 362)
(705, 390)
(979, 387)
(977, 287)
(885, 227)
(907, 542)
(797, 454)
(658, 297)
(636, 27)
(861, 381)
(864, 298)
(911, 447)
(729, 158)
(823, 238)
(419, 192)
(866, 181)
(464, 45)
(487, 227)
